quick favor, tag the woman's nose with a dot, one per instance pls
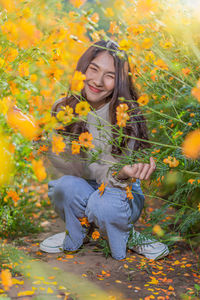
(98, 80)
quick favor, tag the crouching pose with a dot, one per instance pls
(87, 188)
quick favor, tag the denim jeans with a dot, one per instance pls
(113, 213)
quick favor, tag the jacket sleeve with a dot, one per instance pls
(65, 163)
(104, 172)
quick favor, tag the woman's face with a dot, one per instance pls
(100, 79)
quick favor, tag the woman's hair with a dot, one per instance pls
(123, 88)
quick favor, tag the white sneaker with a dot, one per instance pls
(53, 244)
(150, 248)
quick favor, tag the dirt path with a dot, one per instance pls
(134, 278)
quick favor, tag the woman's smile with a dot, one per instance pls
(93, 89)
(100, 79)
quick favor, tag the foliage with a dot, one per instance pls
(37, 62)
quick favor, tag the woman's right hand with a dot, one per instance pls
(138, 170)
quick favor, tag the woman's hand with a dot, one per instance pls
(139, 170)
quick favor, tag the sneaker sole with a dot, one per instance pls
(51, 250)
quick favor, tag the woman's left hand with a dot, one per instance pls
(138, 170)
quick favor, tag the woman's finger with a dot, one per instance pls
(144, 171)
(151, 169)
(139, 170)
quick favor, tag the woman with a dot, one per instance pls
(76, 195)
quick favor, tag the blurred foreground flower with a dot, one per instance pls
(39, 169)
(196, 91)
(158, 230)
(191, 145)
(58, 144)
(6, 279)
(77, 82)
(26, 125)
(6, 161)
(77, 3)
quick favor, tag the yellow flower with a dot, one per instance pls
(158, 230)
(147, 43)
(82, 108)
(102, 188)
(161, 64)
(109, 12)
(75, 147)
(125, 44)
(95, 235)
(58, 144)
(85, 140)
(6, 160)
(23, 69)
(191, 145)
(143, 100)
(65, 116)
(6, 279)
(39, 169)
(199, 206)
(77, 82)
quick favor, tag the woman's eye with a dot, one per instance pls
(93, 69)
(110, 77)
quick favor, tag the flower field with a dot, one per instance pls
(40, 44)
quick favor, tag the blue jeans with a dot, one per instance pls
(74, 197)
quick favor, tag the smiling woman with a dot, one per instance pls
(89, 188)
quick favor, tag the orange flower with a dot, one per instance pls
(95, 18)
(191, 145)
(191, 181)
(39, 169)
(102, 188)
(82, 108)
(25, 124)
(95, 235)
(173, 163)
(122, 118)
(13, 195)
(77, 3)
(143, 100)
(129, 194)
(85, 140)
(58, 144)
(77, 83)
(198, 206)
(196, 91)
(121, 114)
(75, 147)
(84, 222)
(186, 71)
(161, 64)
(6, 279)
(114, 28)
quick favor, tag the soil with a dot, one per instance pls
(173, 277)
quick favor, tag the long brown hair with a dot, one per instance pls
(123, 88)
